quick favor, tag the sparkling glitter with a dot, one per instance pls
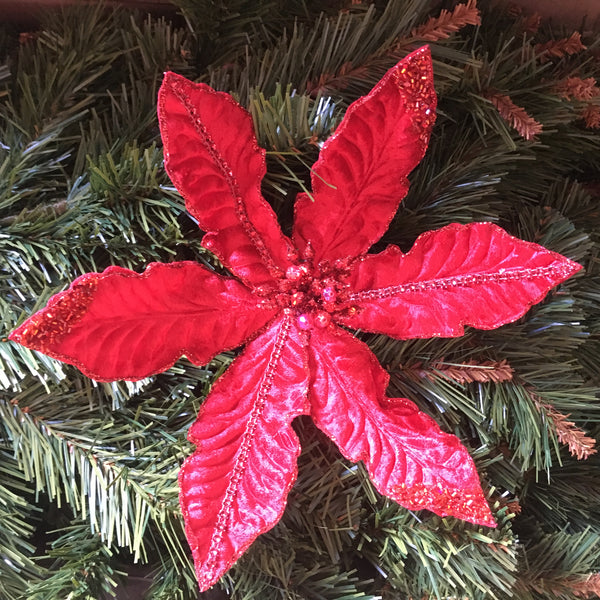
(303, 322)
(317, 294)
(293, 272)
(445, 283)
(417, 77)
(47, 327)
(322, 319)
(297, 298)
(329, 294)
(445, 501)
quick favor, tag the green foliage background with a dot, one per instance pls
(88, 471)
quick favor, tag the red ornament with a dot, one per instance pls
(287, 304)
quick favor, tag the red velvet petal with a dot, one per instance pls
(360, 177)
(234, 487)
(212, 158)
(460, 275)
(408, 457)
(124, 325)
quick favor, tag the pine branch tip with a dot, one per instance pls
(591, 116)
(578, 89)
(568, 433)
(464, 373)
(516, 116)
(559, 48)
(447, 23)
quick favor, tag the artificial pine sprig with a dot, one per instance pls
(448, 22)
(580, 445)
(578, 89)
(516, 116)
(559, 48)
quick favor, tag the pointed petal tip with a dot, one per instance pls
(574, 267)
(422, 54)
(174, 81)
(482, 515)
(562, 268)
(205, 580)
(466, 504)
(422, 51)
(170, 76)
(488, 522)
(23, 336)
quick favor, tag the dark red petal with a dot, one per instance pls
(234, 487)
(360, 177)
(475, 275)
(408, 457)
(212, 157)
(124, 325)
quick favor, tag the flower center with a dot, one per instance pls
(316, 294)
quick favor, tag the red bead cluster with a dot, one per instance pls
(314, 294)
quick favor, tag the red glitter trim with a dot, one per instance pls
(555, 270)
(415, 76)
(47, 327)
(470, 504)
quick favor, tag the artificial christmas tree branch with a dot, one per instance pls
(518, 118)
(580, 445)
(559, 48)
(442, 27)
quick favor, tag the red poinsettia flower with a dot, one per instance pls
(287, 304)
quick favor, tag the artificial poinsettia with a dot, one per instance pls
(287, 304)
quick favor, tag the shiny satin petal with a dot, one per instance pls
(408, 457)
(361, 175)
(474, 274)
(234, 487)
(120, 324)
(212, 157)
